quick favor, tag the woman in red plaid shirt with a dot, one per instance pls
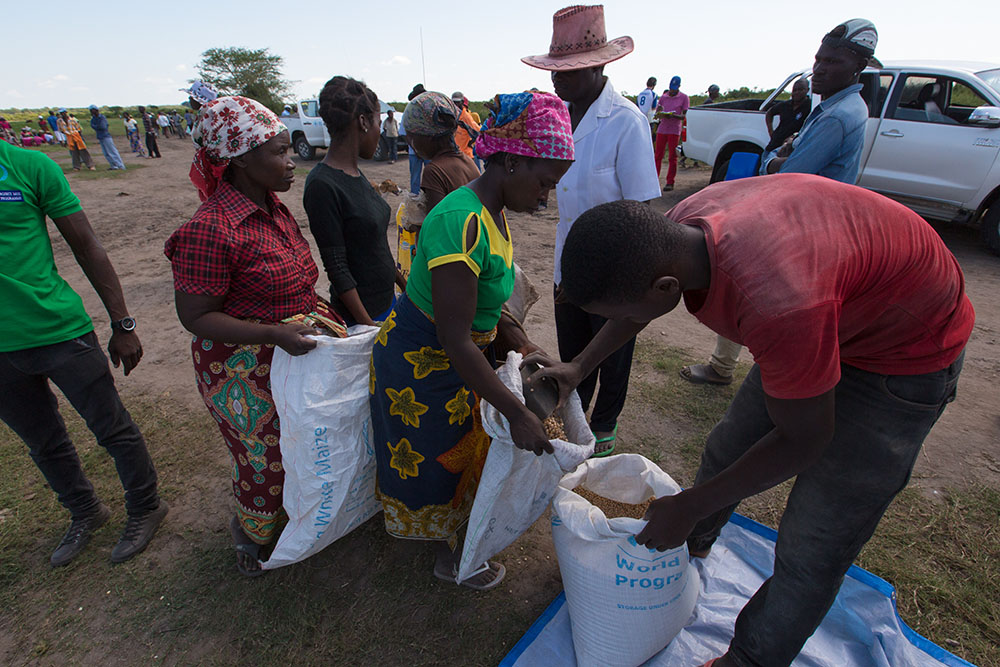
(244, 282)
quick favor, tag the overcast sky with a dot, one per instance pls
(122, 53)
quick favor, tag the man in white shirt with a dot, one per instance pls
(614, 161)
(646, 101)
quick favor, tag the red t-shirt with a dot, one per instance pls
(809, 273)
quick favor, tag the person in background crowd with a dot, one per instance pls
(189, 120)
(244, 282)
(829, 144)
(670, 110)
(132, 132)
(164, 124)
(431, 120)
(791, 114)
(69, 126)
(43, 126)
(607, 130)
(149, 125)
(429, 369)
(833, 134)
(99, 123)
(28, 138)
(856, 314)
(416, 162)
(177, 124)
(646, 101)
(468, 129)
(713, 95)
(478, 122)
(199, 94)
(47, 336)
(390, 128)
(54, 124)
(347, 217)
(7, 133)
(287, 111)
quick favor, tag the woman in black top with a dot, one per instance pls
(347, 217)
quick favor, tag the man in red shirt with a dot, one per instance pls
(857, 318)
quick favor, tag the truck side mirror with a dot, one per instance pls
(985, 116)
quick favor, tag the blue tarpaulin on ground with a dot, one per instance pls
(862, 628)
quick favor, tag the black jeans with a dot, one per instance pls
(575, 328)
(151, 147)
(80, 369)
(835, 505)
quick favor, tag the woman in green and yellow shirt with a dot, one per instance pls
(430, 365)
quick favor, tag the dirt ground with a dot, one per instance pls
(134, 217)
(135, 214)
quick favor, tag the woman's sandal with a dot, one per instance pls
(609, 450)
(245, 549)
(497, 568)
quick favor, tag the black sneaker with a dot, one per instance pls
(78, 535)
(139, 530)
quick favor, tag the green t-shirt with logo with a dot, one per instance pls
(39, 307)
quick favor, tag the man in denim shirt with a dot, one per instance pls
(833, 135)
(829, 144)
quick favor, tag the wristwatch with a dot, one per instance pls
(126, 323)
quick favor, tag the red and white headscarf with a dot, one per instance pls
(228, 127)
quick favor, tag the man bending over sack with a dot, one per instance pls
(857, 318)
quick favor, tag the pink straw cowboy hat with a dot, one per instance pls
(579, 41)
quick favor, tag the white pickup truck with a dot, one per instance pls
(308, 131)
(932, 140)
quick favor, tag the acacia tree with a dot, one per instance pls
(253, 73)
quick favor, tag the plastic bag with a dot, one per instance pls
(516, 486)
(322, 402)
(626, 602)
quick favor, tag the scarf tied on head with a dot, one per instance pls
(226, 128)
(533, 124)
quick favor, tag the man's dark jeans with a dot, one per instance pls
(575, 328)
(80, 369)
(834, 506)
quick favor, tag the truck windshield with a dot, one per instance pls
(992, 77)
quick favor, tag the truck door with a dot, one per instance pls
(925, 148)
(313, 125)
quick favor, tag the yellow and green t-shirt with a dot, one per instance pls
(490, 257)
(40, 308)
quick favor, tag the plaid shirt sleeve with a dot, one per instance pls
(199, 254)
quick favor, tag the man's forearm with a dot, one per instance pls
(772, 460)
(612, 336)
(99, 271)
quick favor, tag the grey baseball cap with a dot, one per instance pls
(858, 35)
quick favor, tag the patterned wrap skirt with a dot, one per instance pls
(235, 383)
(430, 446)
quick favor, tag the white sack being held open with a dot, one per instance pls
(322, 403)
(516, 486)
(626, 602)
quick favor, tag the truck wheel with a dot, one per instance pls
(380, 151)
(719, 172)
(303, 149)
(989, 226)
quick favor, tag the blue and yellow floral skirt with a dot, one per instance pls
(430, 446)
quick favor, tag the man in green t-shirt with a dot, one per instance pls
(45, 334)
